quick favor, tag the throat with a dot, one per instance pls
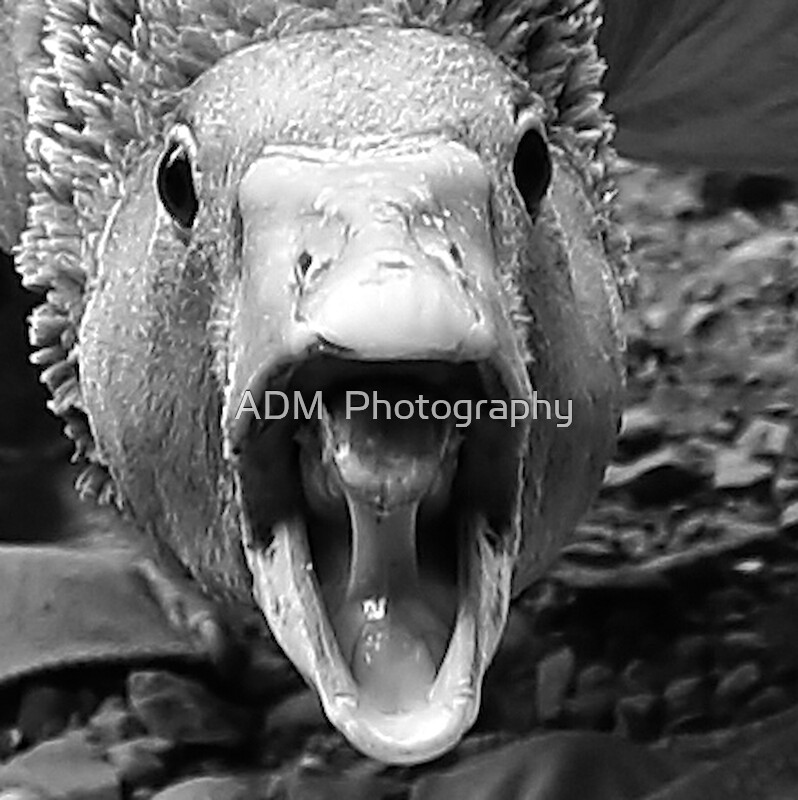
(392, 605)
(389, 629)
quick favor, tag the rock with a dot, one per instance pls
(722, 428)
(597, 553)
(698, 317)
(10, 741)
(594, 676)
(770, 700)
(717, 533)
(113, 722)
(738, 683)
(785, 489)
(757, 254)
(788, 521)
(68, 768)
(554, 674)
(635, 541)
(637, 716)
(209, 789)
(641, 430)
(656, 317)
(20, 794)
(659, 477)
(640, 677)
(44, 712)
(182, 710)
(752, 566)
(737, 646)
(765, 437)
(737, 470)
(692, 529)
(686, 697)
(139, 762)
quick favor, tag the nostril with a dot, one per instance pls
(457, 255)
(303, 263)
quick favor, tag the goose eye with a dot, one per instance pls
(176, 185)
(532, 169)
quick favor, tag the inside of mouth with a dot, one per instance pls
(386, 504)
(392, 610)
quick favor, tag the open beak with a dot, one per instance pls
(380, 496)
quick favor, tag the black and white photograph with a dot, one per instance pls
(399, 399)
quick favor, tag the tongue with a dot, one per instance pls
(391, 625)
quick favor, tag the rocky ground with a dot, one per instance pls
(669, 618)
(672, 612)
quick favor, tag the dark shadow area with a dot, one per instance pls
(33, 453)
(721, 191)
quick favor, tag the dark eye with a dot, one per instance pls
(532, 169)
(176, 185)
